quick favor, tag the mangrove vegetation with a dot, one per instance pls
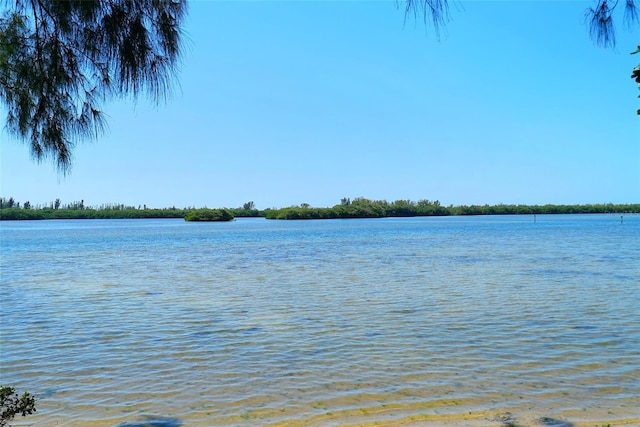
(360, 207)
(209, 215)
(365, 208)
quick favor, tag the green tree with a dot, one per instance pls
(601, 22)
(59, 59)
(12, 404)
(602, 28)
(599, 17)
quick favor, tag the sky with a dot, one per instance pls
(290, 102)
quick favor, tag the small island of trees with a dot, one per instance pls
(209, 215)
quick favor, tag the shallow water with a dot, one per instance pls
(473, 321)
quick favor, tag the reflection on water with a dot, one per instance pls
(427, 321)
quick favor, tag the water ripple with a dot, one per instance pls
(431, 321)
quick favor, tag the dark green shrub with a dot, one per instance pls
(12, 404)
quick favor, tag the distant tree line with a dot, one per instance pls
(544, 209)
(360, 207)
(89, 213)
(10, 209)
(247, 210)
(365, 208)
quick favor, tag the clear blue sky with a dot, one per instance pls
(289, 102)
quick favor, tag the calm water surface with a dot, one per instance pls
(479, 321)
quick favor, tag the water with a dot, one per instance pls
(478, 321)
